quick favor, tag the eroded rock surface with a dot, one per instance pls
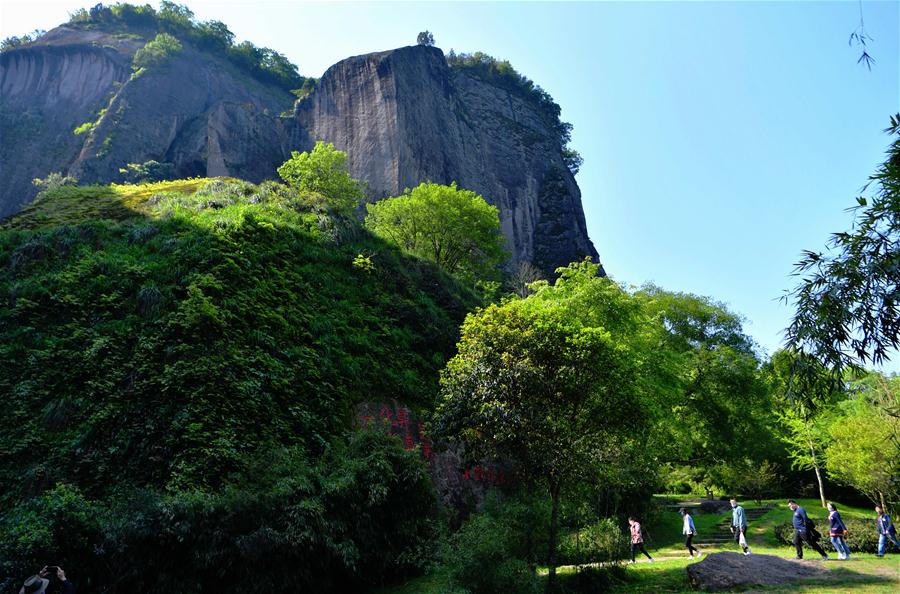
(403, 116)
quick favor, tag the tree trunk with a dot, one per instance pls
(815, 461)
(554, 521)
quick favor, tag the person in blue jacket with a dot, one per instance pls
(886, 530)
(837, 529)
(739, 525)
(801, 531)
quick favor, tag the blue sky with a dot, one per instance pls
(720, 138)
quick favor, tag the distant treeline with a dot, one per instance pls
(178, 20)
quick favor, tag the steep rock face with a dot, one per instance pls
(404, 116)
(196, 111)
(45, 93)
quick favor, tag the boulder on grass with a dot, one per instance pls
(727, 571)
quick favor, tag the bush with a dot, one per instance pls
(147, 172)
(360, 516)
(601, 542)
(155, 51)
(862, 537)
(481, 558)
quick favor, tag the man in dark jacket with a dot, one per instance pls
(50, 580)
(886, 530)
(802, 531)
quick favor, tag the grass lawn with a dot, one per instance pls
(861, 573)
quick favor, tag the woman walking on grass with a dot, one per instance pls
(689, 532)
(637, 539)
(837, 529)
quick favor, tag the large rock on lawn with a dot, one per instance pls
(726, 571)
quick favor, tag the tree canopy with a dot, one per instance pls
(551, 387)
(848, 297)
(454, 228)
(322, 175)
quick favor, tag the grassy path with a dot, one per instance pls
(863, 573)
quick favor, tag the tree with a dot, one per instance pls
(551, 386)
(802, 403)
(322, 176)
(454, 228)
(425, 38)
(847, 301)
(720, 404)
(522, 277)
(155, 51)
(864, 446)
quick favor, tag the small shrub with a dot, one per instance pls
(148, 172)
(480, 557)
(601, 542)
(861, 537)
(592, 580)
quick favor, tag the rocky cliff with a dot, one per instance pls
(403, 116)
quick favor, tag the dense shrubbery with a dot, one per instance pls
(363, 514)
(603, 541)
(169, 338)
(178, 20)
(862, 537)
(501, 73)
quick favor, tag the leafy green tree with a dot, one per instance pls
(321, 175)
(546, 384)
(847, 302)
(804, 427)
(454, 228)
(719, 412)
(864, 446)
(425, 38)
(155, 51)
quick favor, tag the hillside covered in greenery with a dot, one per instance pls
(161, 338)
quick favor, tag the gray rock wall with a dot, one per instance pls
(402, 116)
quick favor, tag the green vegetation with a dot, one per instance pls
(425, 38)
(182, 364)
(553, 381)
(85, 128)
(456, 229)
(159, 339)
(148, 172)
(156, 51)
(321, 178)
(13, 42)
(178, 21)
(847, 304)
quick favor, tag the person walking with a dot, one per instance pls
(803, 531)
(739, 525)
(637, 539)
(837, 529)
(886, 530)
(689, 532)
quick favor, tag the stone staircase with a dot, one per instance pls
(722, 536)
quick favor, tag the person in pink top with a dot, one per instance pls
(637, 539)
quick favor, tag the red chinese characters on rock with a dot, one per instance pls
(398, 420)
(484, 474)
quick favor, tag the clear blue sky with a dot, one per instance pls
(720, 138)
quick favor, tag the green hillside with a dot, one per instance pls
(158, 335)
